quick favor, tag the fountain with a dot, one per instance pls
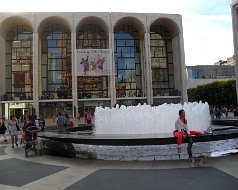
(143, 132)
(145, 119)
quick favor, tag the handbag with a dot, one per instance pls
(18, 128)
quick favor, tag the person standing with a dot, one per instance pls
(12, 128)
(67, 121)
(36, 121)
(89, 118)
(61, 123)
(3, 129)
(42, 123)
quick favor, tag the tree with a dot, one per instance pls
(215, 94)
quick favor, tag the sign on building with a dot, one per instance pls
(93, 62)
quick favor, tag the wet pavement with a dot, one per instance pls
(55, 173)
(146, 168)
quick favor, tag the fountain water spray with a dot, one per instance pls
(145, 119)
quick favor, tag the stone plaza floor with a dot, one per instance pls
(55, 173)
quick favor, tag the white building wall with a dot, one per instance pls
(234, 10)
(109, 21)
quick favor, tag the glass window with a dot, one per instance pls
(161, 60)
(91, 36)
(55, 77)
(16, 43)
(121, 63)
(19, 78)
(56, 62)
(56, 53)
(130, 43)
(127, 59)
(44, 59)
(52, 43)
(26, 43)
(130, 64)
(52, 109)
(44, 84)
(121, 42)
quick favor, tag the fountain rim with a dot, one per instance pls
(134, 141)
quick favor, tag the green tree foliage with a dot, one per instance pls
(216, 93)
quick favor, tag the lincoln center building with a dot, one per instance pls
(72, 62)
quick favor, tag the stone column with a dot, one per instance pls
(183, 68)
(180, 76)
(36, 78)
(74, 75)
(112, 76)
(2, 69)
(148, 67)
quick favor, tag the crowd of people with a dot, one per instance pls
(18, 125)
(13, 127)
(218, 112)
(64, 122)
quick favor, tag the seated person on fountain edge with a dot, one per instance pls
(181, 129)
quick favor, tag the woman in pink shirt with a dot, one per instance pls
(181, 129)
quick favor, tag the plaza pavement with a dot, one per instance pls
(55, 173)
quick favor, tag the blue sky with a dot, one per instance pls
(212, 7)
(207, 24)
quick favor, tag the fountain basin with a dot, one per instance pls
(134, 140)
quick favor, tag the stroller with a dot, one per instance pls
(31, 140)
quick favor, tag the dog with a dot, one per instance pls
(198, 161)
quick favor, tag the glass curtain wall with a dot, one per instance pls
(91, 36)
(51, 109)
(19, 78)
(128, 77)
(161, 61)
(56, 71)
(56, 63)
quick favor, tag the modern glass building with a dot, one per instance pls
(211, 71)
(37, 61)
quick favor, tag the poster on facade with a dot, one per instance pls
(93, 62)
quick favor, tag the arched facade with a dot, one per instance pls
(38, 55)
(128, 48)
(163, 32)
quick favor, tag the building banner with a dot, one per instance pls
(93, 62)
